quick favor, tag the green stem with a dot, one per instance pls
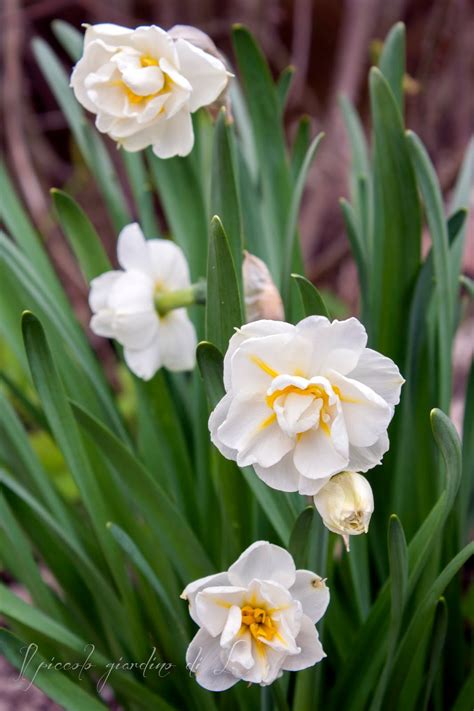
(195, 294)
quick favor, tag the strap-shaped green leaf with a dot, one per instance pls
(313, 302)
(223, 307)
(81, 235)
(392, 61)
(210, 363)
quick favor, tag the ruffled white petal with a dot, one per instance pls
(204, 658)
(366, 414)
(168, 264)
(213, 605)
(100, 290)
(176, 136)
(312, 593)
(132, 251)
(311, 648)
(283, 475)
(380, 374)
(177, 341)
(361, 459)
(337, 345)
(206, 74)
(146, 361)
(190, 591)
(318, 455)
(264, 561)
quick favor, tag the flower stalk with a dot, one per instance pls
(167, 301)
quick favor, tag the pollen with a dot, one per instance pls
(259, 622)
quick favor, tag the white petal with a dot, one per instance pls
(176, 136)
(256, 329)
(337, 345)
(380, 374)
(145, 362)
(232, 626)
(312, 592)
(154, 42)
(100, 289)
(112, 35)
(103, 323)
(311, 648)
(258, 361)
(190, 591)
(318, 455)
(240, 660)
(264, 561)
(95, 56)
(283, 475)
(361, 459)
(213, 605)
(177, 341)
(168, 264)
(206, 74)
(217, 417)
(309, 487)
(144, 81)
(366, 414)
(136, 321)
(204, 658)
(250, 428)
(132, 252)
(140, 139)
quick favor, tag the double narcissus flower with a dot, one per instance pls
(256, 620)
(124, 304)
(144, 84)
(304, 402)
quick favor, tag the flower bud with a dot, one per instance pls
(346, 504)
(262, 298)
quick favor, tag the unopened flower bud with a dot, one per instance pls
(346, 504)
(262, 298)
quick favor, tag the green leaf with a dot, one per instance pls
(142, 190)
(397, 227)
(292, 219)
(468, 284)
(224, 190)
(397, 549)
(300, 534)
(360, 164)
(166, 520)
(81, 235)
(313, 303)
(276, 506)
(64, 428)
(392, 61)
(367, 651)
(284, 86)
(436, 647)
(223, 307)
(265, 115)
(182, 196)
(25, 235)
(52, 682)
(300, 146)
(210, 362)
(71, 39)
(431, 193)
(419, 621)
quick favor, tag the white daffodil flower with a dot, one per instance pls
(124, 305)
(144, 84)
(346, 504)
(256, 620)
(304, 402)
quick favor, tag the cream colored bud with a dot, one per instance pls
(346, 504)
(262, 298)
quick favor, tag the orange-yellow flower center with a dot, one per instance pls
(259, 622)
